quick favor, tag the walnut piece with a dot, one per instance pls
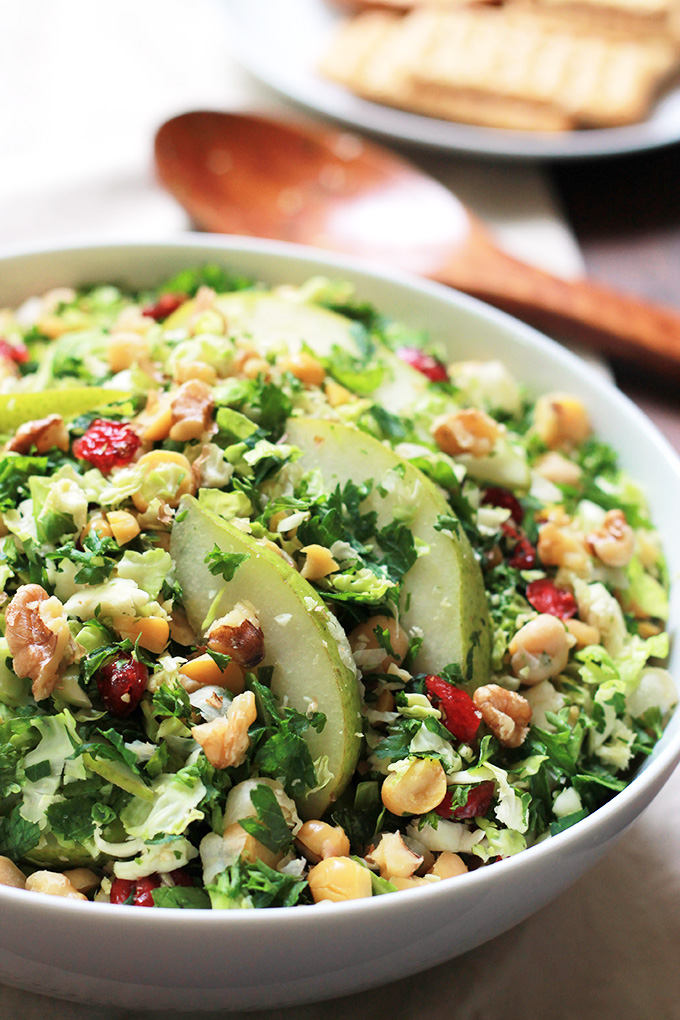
(39, 638)
(225, 741)
(506, 713)
(44, 434)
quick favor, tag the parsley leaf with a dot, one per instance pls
(182, 897)
(17, 836)
(282, 751)
(255, 885)
(270, 828)
(224, 563)
(97, 558)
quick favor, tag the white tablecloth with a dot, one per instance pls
(83, 87)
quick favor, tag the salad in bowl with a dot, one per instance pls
(296, 607)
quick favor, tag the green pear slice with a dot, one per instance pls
(18, 408)
(275, 324)
(307, 648)
(443, 592)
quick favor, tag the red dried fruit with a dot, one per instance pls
(121, 684)
(138, 893)
(107, 444)
(461, 717)
(523, 556)
(424, 363)
(476, 805)
(165, 306)
(180, 877)
(13, 352)
(546, 597)
(496, 496)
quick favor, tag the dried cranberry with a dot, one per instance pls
(546, 597)
(180, 877)
(523, 556)
(107, 444)
(497, 496)
(476, 805)
(461, 717)
(121, 685)
(13, 352)
(424, 363)
(166, 305)
(138, 893)
(122, 890)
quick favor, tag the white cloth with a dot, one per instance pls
(84, 86)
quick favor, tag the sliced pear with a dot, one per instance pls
(17, 408)
(274, 323)
(507, 465)
(443, 592)
(307, 648)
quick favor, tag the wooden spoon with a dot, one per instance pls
(242, 174)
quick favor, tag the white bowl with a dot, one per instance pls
(246, 959)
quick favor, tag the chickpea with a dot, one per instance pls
(561, 420)
(99, 524)
(254, 367)
(540, 649)
(448, 865)
(53, 884)
(614, 541)
(319, 840)
(466, 431)
(185, 371)
(150, 462)
(338, 879)
(418, 788)
(11, 875)
(364, 644)
(240, 842)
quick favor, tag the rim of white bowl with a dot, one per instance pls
(637, 790)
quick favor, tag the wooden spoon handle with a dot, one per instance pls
(619, 325)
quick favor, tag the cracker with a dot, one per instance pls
(514, 67)
(354, 44)
(519, 54)
(656, 18)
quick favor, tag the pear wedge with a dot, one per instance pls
(273, 324)
(17, 408)
(443, 592)
(307, 648)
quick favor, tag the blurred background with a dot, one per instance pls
(83, 88)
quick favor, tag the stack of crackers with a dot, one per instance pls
(544, 65)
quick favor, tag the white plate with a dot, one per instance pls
(280, 42)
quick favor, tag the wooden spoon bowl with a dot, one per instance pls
(244, 174)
